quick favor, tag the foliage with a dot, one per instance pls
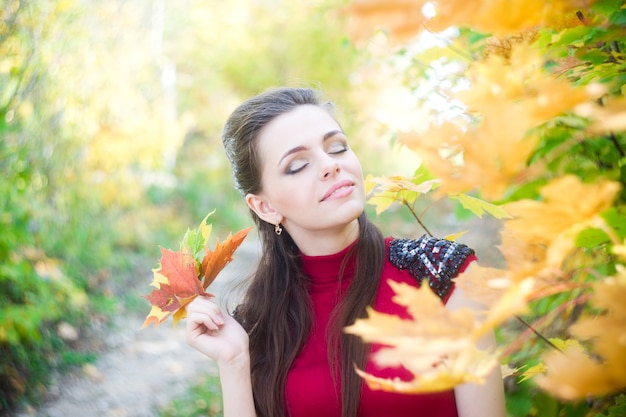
(38, 296)
(59, 207)
(535, 129)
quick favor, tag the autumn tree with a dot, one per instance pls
(533, 133)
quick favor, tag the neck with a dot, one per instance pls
(326, 242)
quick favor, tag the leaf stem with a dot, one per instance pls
(406, 203)
(537, 333)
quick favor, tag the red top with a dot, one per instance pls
(309, 390)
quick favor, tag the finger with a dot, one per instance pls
(204, 304)
(208, 321)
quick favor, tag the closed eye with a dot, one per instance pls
(337, 147)
(296, 167)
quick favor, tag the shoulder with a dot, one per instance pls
(438, 260)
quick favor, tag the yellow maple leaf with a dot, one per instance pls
(610, 117)
(568, 205)
(520, 81)
(479, 207)
(566, 201)
(471, 366)
(437, 346)
(369, 183)
(512, 302)
(477, 156)
(542, 234)
(510, 96)
(620, 250)
(573, 375)
(396, 189)
(483, 284)
(523, 257)
(576, 374)
(608, 295)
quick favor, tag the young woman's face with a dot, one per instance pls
(311, 180)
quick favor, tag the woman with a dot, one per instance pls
(284, 353)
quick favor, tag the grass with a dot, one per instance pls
(204, 399)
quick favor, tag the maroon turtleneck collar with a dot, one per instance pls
(325, 269)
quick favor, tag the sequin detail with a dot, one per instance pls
(438, 260)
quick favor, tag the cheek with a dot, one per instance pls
(355, 167)
(287, 196)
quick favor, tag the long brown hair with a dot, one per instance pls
(276, 310)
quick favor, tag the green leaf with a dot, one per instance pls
(479, 207)
(594, 56)
(532, 371)
(619, 18)
(606, 6)
(547, 406)
(571, 37)
(195, 240)
(616, 219)
(619, 409)
(591, 237)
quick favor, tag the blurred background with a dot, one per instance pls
(111, 114)
(110, 120)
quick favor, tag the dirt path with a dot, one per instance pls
(139, 370)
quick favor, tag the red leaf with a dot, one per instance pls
(177, 285)
(182, 272)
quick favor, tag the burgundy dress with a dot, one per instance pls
(309, 390)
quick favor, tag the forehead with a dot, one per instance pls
(305, 123)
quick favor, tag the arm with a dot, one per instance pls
(221, 338)
(478, 400)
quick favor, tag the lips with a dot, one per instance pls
(337, 188)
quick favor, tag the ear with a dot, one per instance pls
(263, 209)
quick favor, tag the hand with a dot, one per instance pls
(215, 334)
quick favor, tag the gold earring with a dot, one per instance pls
(277, 229)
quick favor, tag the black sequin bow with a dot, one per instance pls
(438, 260)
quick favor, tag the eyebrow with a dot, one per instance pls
(326, 136)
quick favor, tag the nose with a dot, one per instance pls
(330, 169)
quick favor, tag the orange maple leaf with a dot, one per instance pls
(405, 19)
(402, 19)
(216, 260)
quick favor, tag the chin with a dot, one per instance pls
(354, 211)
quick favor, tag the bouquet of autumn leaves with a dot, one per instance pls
(185, 274)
